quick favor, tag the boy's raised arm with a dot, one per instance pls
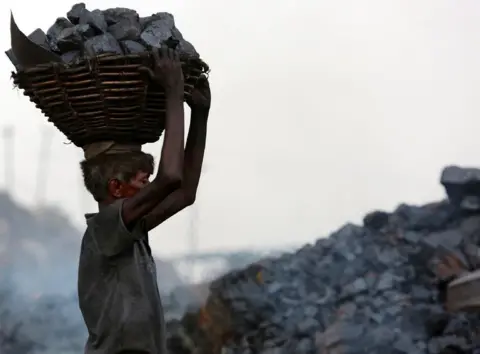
(194, 153)
(168, 72)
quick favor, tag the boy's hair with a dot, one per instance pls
(98, 171)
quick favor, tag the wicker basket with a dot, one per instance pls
(103, 98)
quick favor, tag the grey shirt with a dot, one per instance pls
(117, 287)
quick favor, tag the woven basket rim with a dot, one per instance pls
(105, 58)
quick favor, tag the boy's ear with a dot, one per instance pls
(114, 188)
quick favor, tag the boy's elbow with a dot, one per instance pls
(171, 181)
(189, 199)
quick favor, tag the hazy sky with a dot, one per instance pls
(322, 110)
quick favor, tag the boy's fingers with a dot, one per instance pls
(156, 55)
(164, 52)
(146, 71)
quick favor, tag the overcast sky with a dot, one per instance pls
(322, 110)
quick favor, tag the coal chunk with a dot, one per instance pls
(115, 15)
(131, 47)
(168, 21)
(156, 33)
(176, 33)
(39, 37)
(145, 21)
(463, 187)
(74, 14)
(55, 30)
(71, 57)
(72, 38)
(101, 44)
(95, 19)
(376, 220)
(159, 16)
(86, 31)
(126, 28)
(171, 43)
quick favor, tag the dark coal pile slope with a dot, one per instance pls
(377, 288)
(86, 33)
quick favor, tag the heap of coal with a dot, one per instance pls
(377, 289)
(85, 33)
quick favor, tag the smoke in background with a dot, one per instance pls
(39, 311)
(38, 308)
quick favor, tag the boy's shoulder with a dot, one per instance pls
(106, 216)
(107, 231)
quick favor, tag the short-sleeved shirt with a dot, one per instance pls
(117, 287)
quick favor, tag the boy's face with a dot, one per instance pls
(120, 189)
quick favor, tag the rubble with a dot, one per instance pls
(98, 32)
(376, 288)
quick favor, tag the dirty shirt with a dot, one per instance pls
(117, 287)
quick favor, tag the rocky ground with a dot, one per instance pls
(376, 288)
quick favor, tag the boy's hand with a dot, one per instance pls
(167, 71)
(200, 97)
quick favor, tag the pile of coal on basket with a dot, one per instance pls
(85, 33)
(83, 73)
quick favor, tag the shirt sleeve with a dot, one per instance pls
(109, 232)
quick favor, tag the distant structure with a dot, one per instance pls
(43, 162)
(9, 157)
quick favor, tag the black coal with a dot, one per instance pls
(89, 33)
(377, 288)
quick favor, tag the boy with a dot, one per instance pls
(117, 287)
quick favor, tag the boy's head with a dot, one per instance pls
(113, 176)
